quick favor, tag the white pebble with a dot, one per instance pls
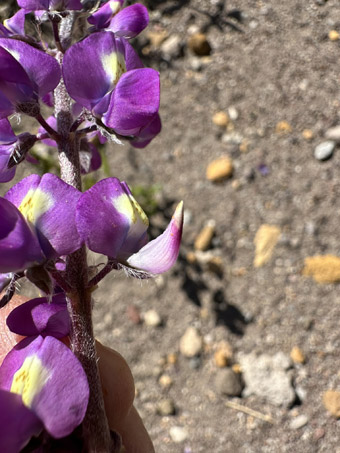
(178, 434)
(324, 150)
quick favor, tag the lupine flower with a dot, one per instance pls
(37, 222)
(26, 74)
(51, 382)
(108, 207)
(101, 18)
(127, 23)
(15, 25)
(13, 148)
(41, 316)
(105, 75)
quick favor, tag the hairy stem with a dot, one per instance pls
(95, 426)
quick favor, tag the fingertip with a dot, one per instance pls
(117, 384)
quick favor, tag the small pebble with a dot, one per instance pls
(166, 407)
(323, 268)
(199, 44)
(298, 422)
(152, 318)
(221, 119)
(204, 238)
(283, 127)
(178, 434)
(333, 133)
(333, 35)
(191, 343)
(219, 169)
(297, 355)
(319, 434)
(324, 150)
(331, 401)
(133, 314)
(172, 358)
(165, 381)
(307, 134)
(223, 355)
(233, 113)
(228, 383)
(172, 47)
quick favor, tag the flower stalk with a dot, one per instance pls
(96, 431)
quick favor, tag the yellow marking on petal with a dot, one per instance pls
(114, 66)
(115, 7)
(128, 206)
(30, 379)
(35, 204)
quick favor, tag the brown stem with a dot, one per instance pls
(95, 426)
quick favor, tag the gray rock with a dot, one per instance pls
(324, 150)
(228, 383)
(333, 134)
(267, 376)
(178, 434)
(298, 422)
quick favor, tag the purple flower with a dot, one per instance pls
(111, 222)
(126, 23)
(37, 222)
(26, 74)
(15, 25)
(52, 385)
(101, 18)
(105, 75)
(41, 317)
(12, 148)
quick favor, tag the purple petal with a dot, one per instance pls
(50, 380)
(7, 134)
(159, 255)
(6, 106)
(130, 21)
(96, 212)
(41, 317)
(5, 173)
(147, 133)
(134, 102)
(19, 247)
(132, 60)
(14, 81)
(17, 423)
(16, 23)
(91, 68)
(42, 69)
(101, 18)
(49, 205)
